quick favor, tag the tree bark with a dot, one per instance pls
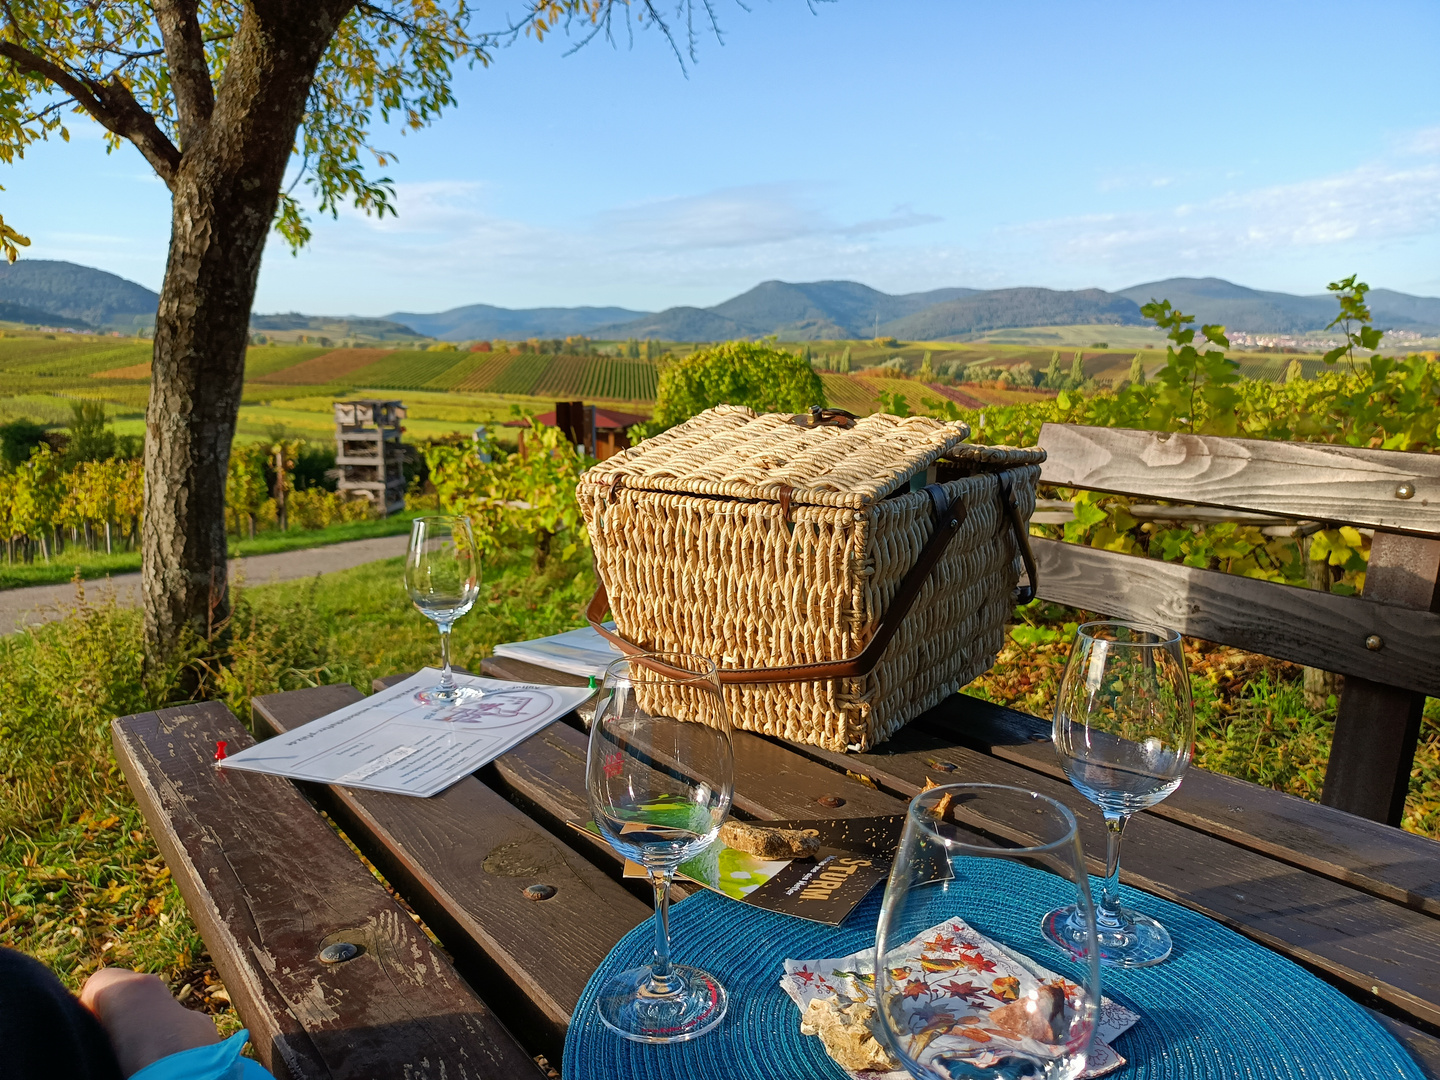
(224, 193)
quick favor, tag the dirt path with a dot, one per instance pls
(42, 603)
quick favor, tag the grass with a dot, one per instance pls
(91, 565)
(81, 881)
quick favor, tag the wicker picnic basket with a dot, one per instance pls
(802, 553)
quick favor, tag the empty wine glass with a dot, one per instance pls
(953, 1001)
(1125, 733)
(442, 575)
(660, 777)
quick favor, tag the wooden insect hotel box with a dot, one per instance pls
(368, 453)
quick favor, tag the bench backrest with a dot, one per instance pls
(1386, 642)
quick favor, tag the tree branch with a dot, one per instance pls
(189, 72)
(111, 105)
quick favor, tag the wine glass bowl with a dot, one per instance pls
(660, 777)
(1124, 731)
(442, 576)
(948, 1006)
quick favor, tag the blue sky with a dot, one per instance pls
(908, 144)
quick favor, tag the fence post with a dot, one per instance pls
(1377, 726)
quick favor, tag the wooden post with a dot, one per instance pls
(280, 489)
(1378, 726)
(1319, 683)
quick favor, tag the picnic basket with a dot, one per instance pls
(845, 574)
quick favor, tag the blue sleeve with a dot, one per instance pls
(222, 1061)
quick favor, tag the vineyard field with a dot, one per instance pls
(478, 377)
(262, 360)
(326, 368)
(619, 380)
(404, 369)
(522, 373)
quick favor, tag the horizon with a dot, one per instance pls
(767, 281)
(997, 148)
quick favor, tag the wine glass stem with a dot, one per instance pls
(1109, 914)
(447, 677)
(660, 963)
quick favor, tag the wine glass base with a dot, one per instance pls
(1139, 941)
(460, 695)
(629, 1006)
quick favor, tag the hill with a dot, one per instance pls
(1000, 308)
(1214, 300)
(340, 326)
(67, 291)
(30, 316)
(807, 311)
(480, 321)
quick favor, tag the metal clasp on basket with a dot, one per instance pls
(818, 417)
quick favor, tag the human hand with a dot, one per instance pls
(143, 1021)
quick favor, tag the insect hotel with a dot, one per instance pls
(368, 453)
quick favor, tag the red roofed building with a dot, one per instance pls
(611, 429)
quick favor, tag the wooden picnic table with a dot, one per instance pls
(492, 977)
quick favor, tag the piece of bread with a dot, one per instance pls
(769, 843)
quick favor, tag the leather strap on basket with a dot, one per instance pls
(947, 525)
(1023, 593)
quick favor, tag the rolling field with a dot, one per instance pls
(479, 373)
(405, 369)
(521, 374)
(291, 387)
(326, 368)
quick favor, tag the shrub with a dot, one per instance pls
(735, 373)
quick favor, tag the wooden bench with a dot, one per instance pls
(1386, 642)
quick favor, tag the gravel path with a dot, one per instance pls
(41, 603)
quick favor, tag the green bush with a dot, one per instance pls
(735, 373)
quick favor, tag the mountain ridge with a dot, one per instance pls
(52, 292)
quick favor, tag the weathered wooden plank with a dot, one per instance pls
(1312, 628)
(1313, 481)
(771, 781)
(270, 884)
(1388, 862)
(463, 859)
(1371, 947)
(1423, 1047)
(1377, 727)
(545, 777)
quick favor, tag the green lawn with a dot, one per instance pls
(96, 564)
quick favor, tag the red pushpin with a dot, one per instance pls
(220, 753)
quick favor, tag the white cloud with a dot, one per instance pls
(1425, 142)
(1374, 203)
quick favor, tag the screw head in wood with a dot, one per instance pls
(1374, 643)
(1405, 491)
(339, 952)
(834, 802)
(540, 892)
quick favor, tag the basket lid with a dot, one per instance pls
(731, 452)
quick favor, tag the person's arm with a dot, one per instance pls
(154, 1036)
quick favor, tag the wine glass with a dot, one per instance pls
(949, 1006)
(442, 572)
(660, 777)
(1125, 733)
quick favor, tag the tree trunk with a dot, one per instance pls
(224, 195)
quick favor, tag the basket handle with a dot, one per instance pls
(947, 525)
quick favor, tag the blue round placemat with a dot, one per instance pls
(1221, 1007)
